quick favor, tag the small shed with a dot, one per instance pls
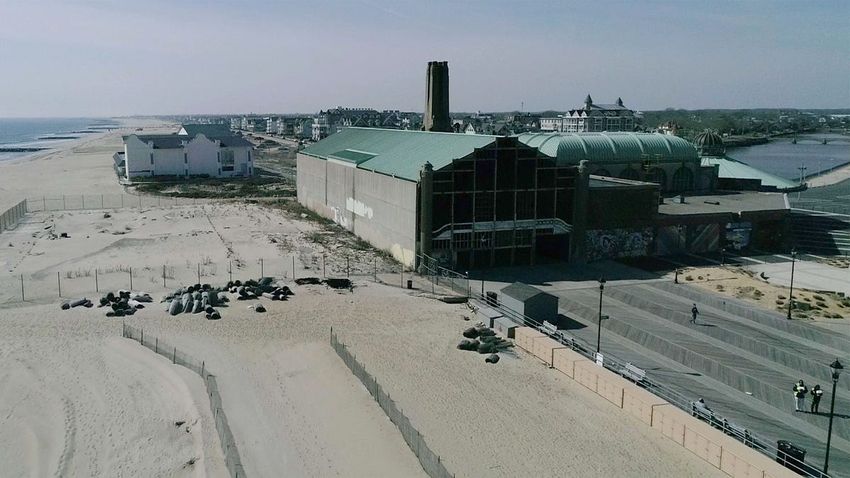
(531, 302)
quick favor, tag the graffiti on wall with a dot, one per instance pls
(613, 243)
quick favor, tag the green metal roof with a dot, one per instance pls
(352, 156)
(570, 148)
(733, 169)
(400, 153)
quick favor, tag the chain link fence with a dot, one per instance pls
(228, 443)
(83, 281)
(107, 201)
(9, 219)
(430, 461)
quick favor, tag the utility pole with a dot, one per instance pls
(802, 170)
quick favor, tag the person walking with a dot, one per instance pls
(800, 392)
(694, 314)
(817, 393)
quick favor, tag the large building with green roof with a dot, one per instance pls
(477, 201)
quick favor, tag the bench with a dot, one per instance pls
(551, 330)
(635, 374)
(705, 414)
(739, 432)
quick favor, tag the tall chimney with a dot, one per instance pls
(437, 104)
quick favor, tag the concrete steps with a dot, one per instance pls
(742, 310)
(768, 422)
(764, 380)
(797, 353)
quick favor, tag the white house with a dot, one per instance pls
(186, 155)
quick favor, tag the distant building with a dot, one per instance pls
(592, 117)
(196, 150)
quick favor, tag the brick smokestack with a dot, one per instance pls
(437, 104)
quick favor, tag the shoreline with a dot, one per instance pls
(75, 167)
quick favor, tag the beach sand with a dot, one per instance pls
(89, 403)
(81, 166)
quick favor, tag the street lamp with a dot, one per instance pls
(791, 293)
(722, 256)
(836, 368)
(599, 327)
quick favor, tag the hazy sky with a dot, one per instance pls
(99, 57)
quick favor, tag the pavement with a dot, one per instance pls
(742, 360)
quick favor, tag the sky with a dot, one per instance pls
(156, 57)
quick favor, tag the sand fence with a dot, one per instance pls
(228, 443)
(430, 461)
(10, 218)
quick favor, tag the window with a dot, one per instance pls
(525, 205)
(185, 158)
(227, 161)
(483, 206)
(523, 237)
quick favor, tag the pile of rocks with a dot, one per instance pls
(196, 299)
(483, 340)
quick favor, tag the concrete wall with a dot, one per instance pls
(311, 184)
(378, 208)
(721, 451)
(385, 213)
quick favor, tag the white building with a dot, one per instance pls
(592, 117)
(185, 154)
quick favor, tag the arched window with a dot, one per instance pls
(629, 173)
(657, 176)
(683, 180)
(602, 172)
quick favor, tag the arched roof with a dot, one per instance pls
(570, 148)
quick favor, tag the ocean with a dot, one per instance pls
(783, 158)
(35, 132)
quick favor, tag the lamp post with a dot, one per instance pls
(836, 370)
(722, 256)
(599, 326)
(791, 293)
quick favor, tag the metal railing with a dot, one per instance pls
(439, 276)
(430, 461)
(81, 202)
(11, 217)
(618, 366)
(228, 443)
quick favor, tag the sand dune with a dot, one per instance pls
(78, 400)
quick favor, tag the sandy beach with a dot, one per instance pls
(90, 403)
(81, 166)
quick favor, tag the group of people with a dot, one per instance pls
(800, 391)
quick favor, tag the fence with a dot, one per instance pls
(85, 280)
(228, 444)
(107, 201)
(617, 366)
(440, 276)
(430, 461)
(9, 218)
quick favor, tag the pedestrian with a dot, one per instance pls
(817, 393)
(800, 392)
(694, 314)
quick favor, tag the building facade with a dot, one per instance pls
(186, 155)
(592, 117)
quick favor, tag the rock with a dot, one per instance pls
(492, 358)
